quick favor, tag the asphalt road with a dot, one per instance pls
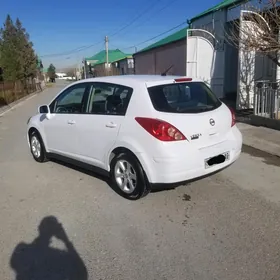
(225, 227)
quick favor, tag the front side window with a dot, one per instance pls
(70, 101)
(190, 97)
(108, 99)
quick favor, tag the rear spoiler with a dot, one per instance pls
(168, 81)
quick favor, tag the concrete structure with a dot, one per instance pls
(125, 65)
(122, 66)
(234, 71)
(166, 53)
(118, 63)
(230, 71)
(61, 75)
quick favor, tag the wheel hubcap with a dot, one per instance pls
(35, 147)
(125, 176)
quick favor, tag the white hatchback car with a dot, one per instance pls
(141, 130)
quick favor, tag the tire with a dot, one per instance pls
(37, 147)
(128, 177)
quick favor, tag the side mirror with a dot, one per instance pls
(44, 109)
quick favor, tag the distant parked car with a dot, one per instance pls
(141, 130)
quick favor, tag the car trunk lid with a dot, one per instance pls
(201, 129)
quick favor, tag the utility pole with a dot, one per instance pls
(85, 68)
(106, 49)
(135, 49)
(77, 72)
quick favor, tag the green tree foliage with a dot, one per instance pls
(17, 56)
(8, 49)
(39, 63)
(51, 71)
(26, 54)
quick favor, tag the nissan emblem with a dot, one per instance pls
(212, 122)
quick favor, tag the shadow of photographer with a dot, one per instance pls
(39, 261)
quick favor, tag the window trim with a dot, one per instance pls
(115, 86)
(84, 99)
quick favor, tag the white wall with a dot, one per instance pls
(215, 23)
(61, 75)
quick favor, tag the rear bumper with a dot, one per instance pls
(189, 165)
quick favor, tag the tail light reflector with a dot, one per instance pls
(161, 130)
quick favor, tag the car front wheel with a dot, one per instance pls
(128, 177)
(37, 147)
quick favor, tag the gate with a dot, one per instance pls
(200, 54)
(267, 99)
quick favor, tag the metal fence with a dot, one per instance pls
(267, 99)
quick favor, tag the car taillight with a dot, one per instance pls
(161, 130)
(233, 118)
(179, 80)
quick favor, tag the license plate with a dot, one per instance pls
(219, 159)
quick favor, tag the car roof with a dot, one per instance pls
(131, 80)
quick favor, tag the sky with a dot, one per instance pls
(57, 27)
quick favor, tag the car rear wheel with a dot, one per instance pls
(37, 147)
(128, 177)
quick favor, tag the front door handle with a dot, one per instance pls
(71, 122)
(111, 125)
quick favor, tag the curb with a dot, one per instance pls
(249, 139)
(267, 147)
(5, 109)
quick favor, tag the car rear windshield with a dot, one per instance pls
(189, 97)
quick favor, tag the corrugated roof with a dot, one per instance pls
(179, 35)
(222, 5)
(113, 55)
(97, 56)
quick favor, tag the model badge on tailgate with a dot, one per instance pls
(195, 136)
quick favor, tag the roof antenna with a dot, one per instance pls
(166, 71)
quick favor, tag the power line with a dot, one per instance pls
(79, 49)
(141, 43)
(136, 18)
(82, 48)
(150, 18)
(155, 37)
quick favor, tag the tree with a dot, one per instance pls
(1, 74)
(9, 50)
(39, 63)
(51, 71)
(18, 58)
(258, 30)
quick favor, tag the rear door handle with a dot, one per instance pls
(71, 122)
(111, 125)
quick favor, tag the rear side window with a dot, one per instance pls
(108, 99)
(190, 97)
